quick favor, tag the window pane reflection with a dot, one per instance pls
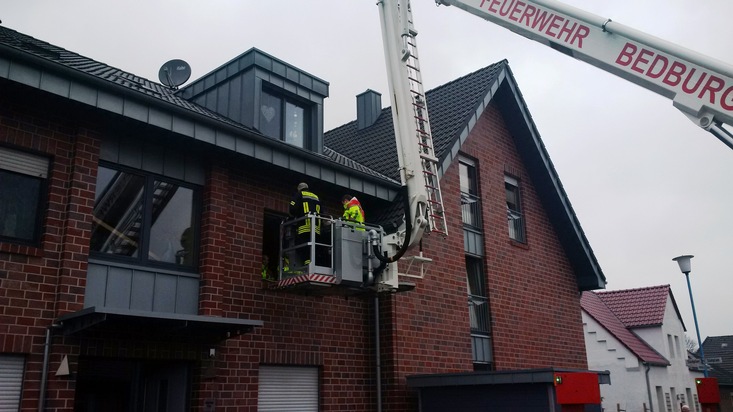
(118, 213)
(294, 127)
(270, 115)
(140, 216)
(170, 237)
(19, 196)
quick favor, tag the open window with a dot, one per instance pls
(271, 244)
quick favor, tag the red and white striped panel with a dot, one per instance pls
(307, 278)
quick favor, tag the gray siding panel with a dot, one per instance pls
(234, 108)
(183, 126)
(130, 154)
(175, 165)
(25, 75)
(4, 67)
(205, 133)
(135, 111)
(119, 286)
(143, 286)
(160, 119)
(226, 140)
(313, 170)
(153, 159)
(342, 179)
(187, 297)
(83, 94)
(96, 288)
(280, 159)
(164, 298)
(136, 288)
(245, 147)
(263, 152)
(56, 85)
(110, 102)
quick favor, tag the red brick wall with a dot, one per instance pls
(533, 296)
(333, 333)
(38, 284)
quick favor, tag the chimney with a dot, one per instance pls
(368, 108)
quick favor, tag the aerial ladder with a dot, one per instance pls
(699, 86)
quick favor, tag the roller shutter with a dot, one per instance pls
(288, 388)
(24, 163)
(11, 382)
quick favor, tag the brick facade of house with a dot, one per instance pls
(532, 289)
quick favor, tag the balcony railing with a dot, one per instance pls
(516, 225)
(471, 210)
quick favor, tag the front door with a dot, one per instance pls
(127, 385)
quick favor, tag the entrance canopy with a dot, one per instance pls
(155, 325)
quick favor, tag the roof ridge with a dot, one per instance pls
(606, 292)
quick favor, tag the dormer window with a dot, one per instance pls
(284, 119)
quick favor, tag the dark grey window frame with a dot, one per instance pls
(286, 98)
(470, 201)
(479, 313)
(516, 220)
(142, 258)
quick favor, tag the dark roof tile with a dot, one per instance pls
(450, 105)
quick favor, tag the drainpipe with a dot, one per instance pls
(648, 386)
(44, 373)
(377, 356)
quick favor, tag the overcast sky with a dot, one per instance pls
(645, 182)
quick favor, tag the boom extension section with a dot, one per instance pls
(700, 86)
(417, 161)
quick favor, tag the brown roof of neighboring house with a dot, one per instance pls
(595, 306)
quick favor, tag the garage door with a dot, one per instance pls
(288, 388)
(11, 381)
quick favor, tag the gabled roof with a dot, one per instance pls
(719, 355)
(454, 109)
(641, 307)
(592, 304)
(451, 106)
(43, 66)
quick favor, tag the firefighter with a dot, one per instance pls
(353, 211)
(304, 203)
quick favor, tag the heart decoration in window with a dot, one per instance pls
(268, 112)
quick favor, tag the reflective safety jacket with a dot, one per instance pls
(303, 203)
(354, 213)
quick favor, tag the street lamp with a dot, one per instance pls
(685, 267)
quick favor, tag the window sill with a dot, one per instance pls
(518, 244)
(21, 249)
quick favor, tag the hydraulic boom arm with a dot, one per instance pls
(699, 86)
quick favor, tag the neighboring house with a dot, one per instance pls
(134, 220)
(719, 356)
(639, 337)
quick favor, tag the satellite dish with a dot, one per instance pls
(174, 73)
